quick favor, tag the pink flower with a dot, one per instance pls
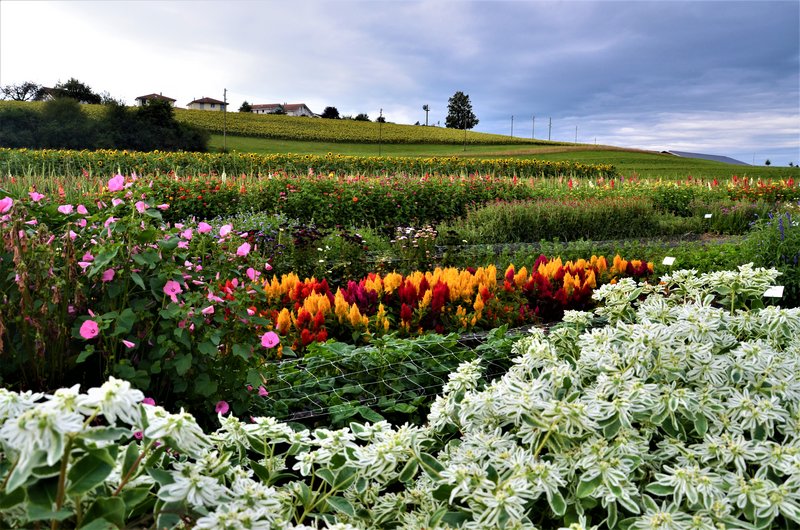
(117, 183)
(85, 264)
(187, 234)
(149, 401)
(270, 339)
(171, 289)
(88, 257)
(204, 227)
(5, 204)
(138, 435)
(116, 202)
(72, 235)
(32, 222)
(82, 210)
(81, 222)
(249, 388)
(35, 196)
(222, 407)
(243, 250)
(183, 244)
(89, 329)
(128, 344)
(251, 311)
(252, 274)
(140, 206)
(108, 275)
(225, 230)
(163, 207)
(262, 391)
(267, 267)
(214, 298)
(66, 209)
(110, 220)
(208, 310)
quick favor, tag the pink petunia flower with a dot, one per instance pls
(243, 250)
(66, 209)
(187, 234)
(35, 196)
(225, 230)
(204, 227)
(208, 310)
(116, 183)
(89, 329)
(141, 207)
(108, 275)
(171, 289)
(270, 339)
(82, 210)
(81, 222)
(5, 204)
(262, 391)
(252, 274)
(222, 407)
(117, 202)
(72, 235)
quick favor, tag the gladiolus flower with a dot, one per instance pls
(262, 391)
(82, 210)
(66, 209)
(89, 329)
(35, 196)
(222, 407)
(270, 339)
(225, 230)
(108, 275)
(204, 227)
(116, 183)
(243, 250)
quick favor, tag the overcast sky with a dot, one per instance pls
(719, 77)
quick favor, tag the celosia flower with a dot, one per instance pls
(89, 329)
(270, 339)
(116, 183)
(243, 250)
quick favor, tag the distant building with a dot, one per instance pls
(713, 158)
(141, 101)
(290, 109)
(207, 104)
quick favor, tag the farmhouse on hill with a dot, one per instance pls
(207, 104)
(290, 109)
(141, 101)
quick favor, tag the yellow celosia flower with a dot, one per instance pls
(391, 282)
(284, 321)
(340, 306)
(521, 277)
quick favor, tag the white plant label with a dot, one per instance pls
(708, 216)
(668, 261)
(776, 291)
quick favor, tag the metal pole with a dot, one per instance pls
(549, 129)
(512, 126)
(533, 126)
(225, 119)
(380, 131)
(576, 134)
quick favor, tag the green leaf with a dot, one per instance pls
(206, 348)
(182, 363)
(23, 470)
(35, 512)
(204, 386)
(11, 499)
(557, 503)
(611, 520)
(98, 524)
(587, 487)
(431, 466)
(409, 470)
(109, 508)
(241, 351)
(659, 489)
(133, 497)
(344, 478)
(342, 505)
(105, 434)
(455, 519)
(87, 473)
(85, 354)
(369, 414)
(131, 455)
(137, 279)
(43, 492)
(326, 475)
(159, 475)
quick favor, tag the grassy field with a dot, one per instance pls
(627, 161)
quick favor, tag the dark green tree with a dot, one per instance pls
(361, 117)
(27, 91)
(78, 91)
(767, 162)
(459, 112)
(332, 113)
(246, 107)
(65, 126)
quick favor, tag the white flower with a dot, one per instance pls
(115, 399)
(195, 488)
(41, 428)
(235, 518)
(14, 403)
(180, 428)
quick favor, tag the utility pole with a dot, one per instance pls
(533, 126)
(549, 129)
(225, 120)
(380, 131)
(426, 108)
(576, 134)
(512, 126)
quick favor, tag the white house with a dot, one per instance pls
(141, 101)
(290, 109)
(207, 104)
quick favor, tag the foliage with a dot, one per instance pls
(361, 117)
(659, 408)
(74, 89)
(246, 107)
(459, 112)
(25, 91)
(330, 113)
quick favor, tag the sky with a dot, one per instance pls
(716, 76)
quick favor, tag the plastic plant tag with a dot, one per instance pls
(668, 261)
(776, 291)
(707, 216)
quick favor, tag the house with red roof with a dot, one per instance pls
(205, 103)
(141, 101)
